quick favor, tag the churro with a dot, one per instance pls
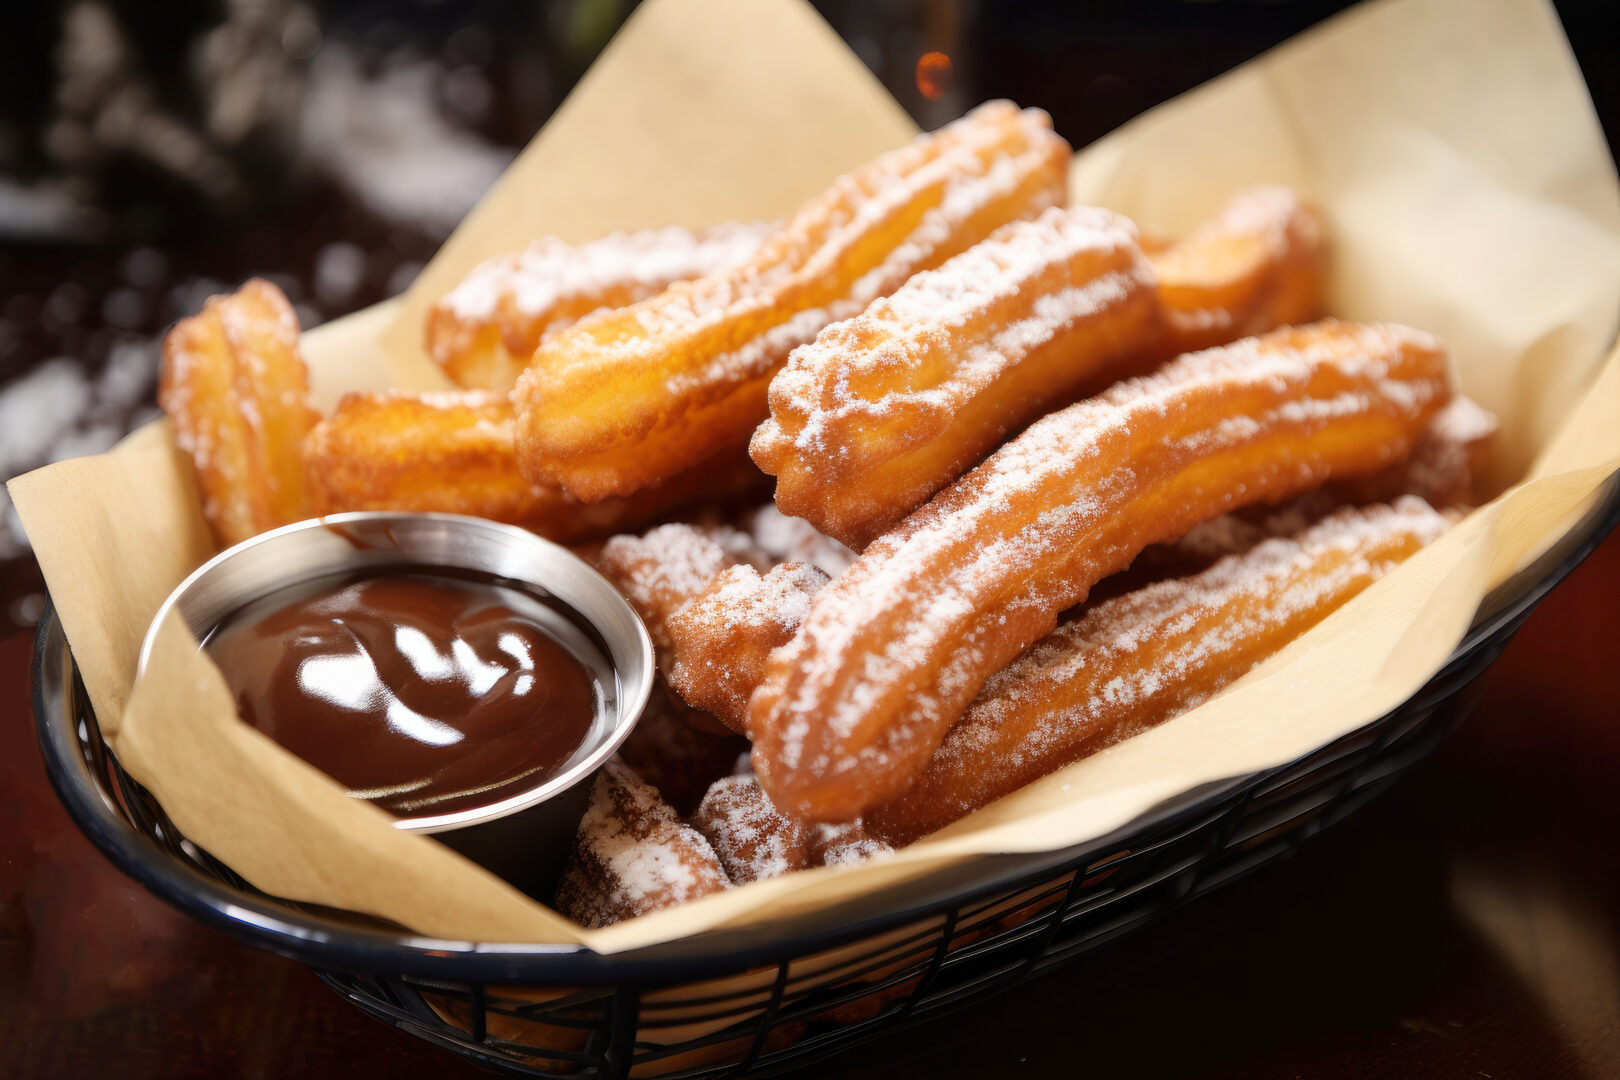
(1443, 471)
(1139, 659)
(453, 453)
(884, 409)
(897, 646)
(628, 397)
(483, 332)
(712, 616)
(719, 640)
(662, 570)
(755, 840)
(237, 393)
(1258, 265)
(632, 855)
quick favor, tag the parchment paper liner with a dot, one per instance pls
(1451, 143)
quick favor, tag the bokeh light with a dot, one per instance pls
(933, 75)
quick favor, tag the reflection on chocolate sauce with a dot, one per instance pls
(423, 692)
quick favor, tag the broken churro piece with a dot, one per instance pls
(632, 855)
(756, 841)
(718, 642)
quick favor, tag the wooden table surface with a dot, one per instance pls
(1467, 924)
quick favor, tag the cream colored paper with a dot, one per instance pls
(1454, 150)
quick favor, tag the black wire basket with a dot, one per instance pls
(771, 998)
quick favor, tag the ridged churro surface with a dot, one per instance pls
(884, 409)
(1136, 660)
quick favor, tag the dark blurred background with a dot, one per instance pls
(151, 155)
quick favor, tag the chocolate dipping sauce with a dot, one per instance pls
(423, 691)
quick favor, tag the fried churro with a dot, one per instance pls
(664, 569)
(1443, 471)
(483, 333)
(882, 410)
(633, 855)
(753, 839)
(628, 397)
(237, 393)
(1259, 264)
(712, 616)
(453, 453)
(756, 841)
(719, 640)
(1137, 660)
(897, 646)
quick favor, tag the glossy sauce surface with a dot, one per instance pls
(423, 692)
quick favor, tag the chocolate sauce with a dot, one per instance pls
(422, 691)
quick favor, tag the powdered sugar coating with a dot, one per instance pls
(787, 538)
(756, 841)
(897, 646)
(1140, 658)
(633, 855)
(661, 570)
(845, 845)
(753, 839)
(883, 409)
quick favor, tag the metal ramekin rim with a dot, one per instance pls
(633, 693)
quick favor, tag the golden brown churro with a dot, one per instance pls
(897, 646)
(1137, 660)
(882, 410)
(1258, 265)
(628, 397)
(1442, 471)
(661, 571)
(483, 332)
(237, 392)
(720, 639)
(712, 617)
(453, 453)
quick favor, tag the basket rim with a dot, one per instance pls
(332, 943)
